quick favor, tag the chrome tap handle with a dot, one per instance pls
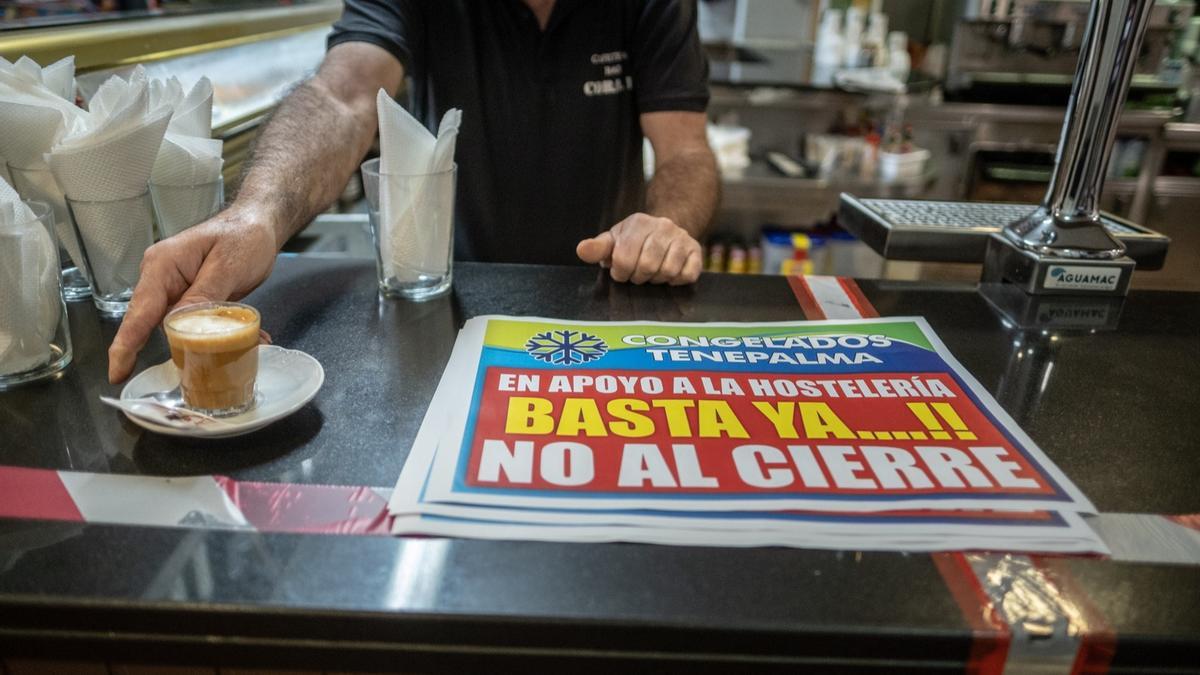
(1067, 224)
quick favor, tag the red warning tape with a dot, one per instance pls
(313, 509)
(1047, 578)
(856, 296)
(808, 303)
(1190, 521)
(1098, 641)
(990, 634)
(218, 502)
(35, 493)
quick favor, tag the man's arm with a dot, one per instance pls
(661, 246)
(301, 163)
(315, 141)
(685, 187)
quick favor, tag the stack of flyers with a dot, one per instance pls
(858, 434)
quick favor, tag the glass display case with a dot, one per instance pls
(19, 14)
(253, 51)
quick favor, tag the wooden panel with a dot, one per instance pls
(47, 667)
(266, 671)
(141, 669)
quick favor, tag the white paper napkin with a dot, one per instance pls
(58, 77)
(415, 227)
(193, 110)
(110, 158)
(36, 109)
(30, 302)
(188, 156)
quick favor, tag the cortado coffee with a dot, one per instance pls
(215, 347)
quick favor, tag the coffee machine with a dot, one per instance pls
(1002, 50)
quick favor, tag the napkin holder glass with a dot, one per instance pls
(178, 207)
(43, 355)
(38, 184)
(414, 232)
(114, 235)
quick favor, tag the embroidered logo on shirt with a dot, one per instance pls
(614, 81)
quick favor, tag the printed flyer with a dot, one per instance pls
(857, 415)
(545, 430)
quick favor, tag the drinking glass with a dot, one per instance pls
(412, 223)
(115, 234)
(178, 207)
(35, 339)
(38, 184)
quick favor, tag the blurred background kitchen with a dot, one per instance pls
(914, 99)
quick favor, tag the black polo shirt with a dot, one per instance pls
(550, 148)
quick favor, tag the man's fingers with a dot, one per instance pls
(654, 252)
(598, 249)
(212, 284)
(146, 309)
(626, 252)
(161, 282)
(691, 269)
(672, 264)
(649, 249)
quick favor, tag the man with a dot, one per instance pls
(556, 96)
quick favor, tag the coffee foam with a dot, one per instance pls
(213, 330)
(207, 323)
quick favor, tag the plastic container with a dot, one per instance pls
(898, 166)
(776, 246)
(731, 145)
(899, 62)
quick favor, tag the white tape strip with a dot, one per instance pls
(148, 500)
(832, 298)
(1147, 538)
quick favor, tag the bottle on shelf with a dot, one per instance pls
(899, 62)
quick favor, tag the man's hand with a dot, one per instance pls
(663, 248)
(645, 248)
(327, 122)
(223, 258)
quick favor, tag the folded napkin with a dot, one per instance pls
(869, 79)
(30, 298)
(37, 108)
(58, 77)
(188, 156)
(193, 110)
(109, 158)
(414, 215)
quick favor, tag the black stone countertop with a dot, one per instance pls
(1116, 410)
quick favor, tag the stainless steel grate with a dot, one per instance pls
(938, 231)
(908, 213)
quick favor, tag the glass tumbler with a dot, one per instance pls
(35, 339)
(412, 223)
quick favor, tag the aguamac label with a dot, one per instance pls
(1083, 278)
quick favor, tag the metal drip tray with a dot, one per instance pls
(901, 229)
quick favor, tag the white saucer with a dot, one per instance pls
(287, 379)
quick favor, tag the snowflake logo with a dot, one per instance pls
(565, 347)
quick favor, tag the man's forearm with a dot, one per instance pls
(685, 188)
(303, 158)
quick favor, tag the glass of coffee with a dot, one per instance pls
(215, 347)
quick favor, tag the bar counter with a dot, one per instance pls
(1115, 409)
